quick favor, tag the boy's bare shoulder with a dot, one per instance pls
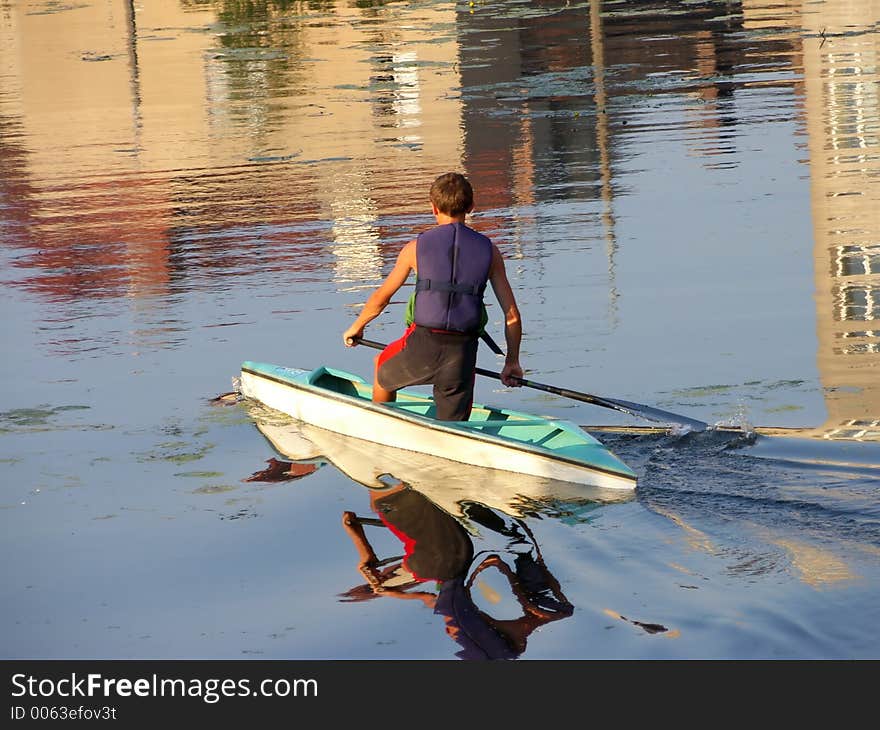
(409, 248)
(497, 257)
(407, 255)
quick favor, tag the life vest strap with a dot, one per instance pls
(473, 289)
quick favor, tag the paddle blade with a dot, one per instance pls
(649, 413)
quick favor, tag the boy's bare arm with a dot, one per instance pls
(378, 300)
(512, 321)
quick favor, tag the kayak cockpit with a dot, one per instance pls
(528, 429)
(338, 381)
(343, 383)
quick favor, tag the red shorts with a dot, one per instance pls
(447, 360)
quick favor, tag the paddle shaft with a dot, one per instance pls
(633, 409)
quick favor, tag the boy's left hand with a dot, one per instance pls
(511, 374)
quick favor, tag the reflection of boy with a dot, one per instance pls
(484, 637)
(438, 548)
(453, 264)
(536, 590)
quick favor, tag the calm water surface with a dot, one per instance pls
(688, 198)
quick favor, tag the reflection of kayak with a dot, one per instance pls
(495, 438)
(449, 484)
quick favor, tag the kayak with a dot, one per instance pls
(493, 438)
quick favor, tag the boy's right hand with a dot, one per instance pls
(352, 335)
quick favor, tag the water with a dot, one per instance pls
(687, 199)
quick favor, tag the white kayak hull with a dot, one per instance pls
(383, 425)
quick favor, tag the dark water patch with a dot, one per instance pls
(650, 628)
(248, 54)
(50, 8)
(177, 452)
(94, 56)
(242, 514)
(41, 418)
(225, 324)
(215, 489)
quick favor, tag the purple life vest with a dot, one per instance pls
(452, 263)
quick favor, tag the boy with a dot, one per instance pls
(453, 264)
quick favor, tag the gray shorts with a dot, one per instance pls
(447, 360)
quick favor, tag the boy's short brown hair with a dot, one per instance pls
(452, 194)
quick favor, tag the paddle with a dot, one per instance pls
(634, 409)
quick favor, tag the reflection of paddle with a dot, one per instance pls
(633, 409)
